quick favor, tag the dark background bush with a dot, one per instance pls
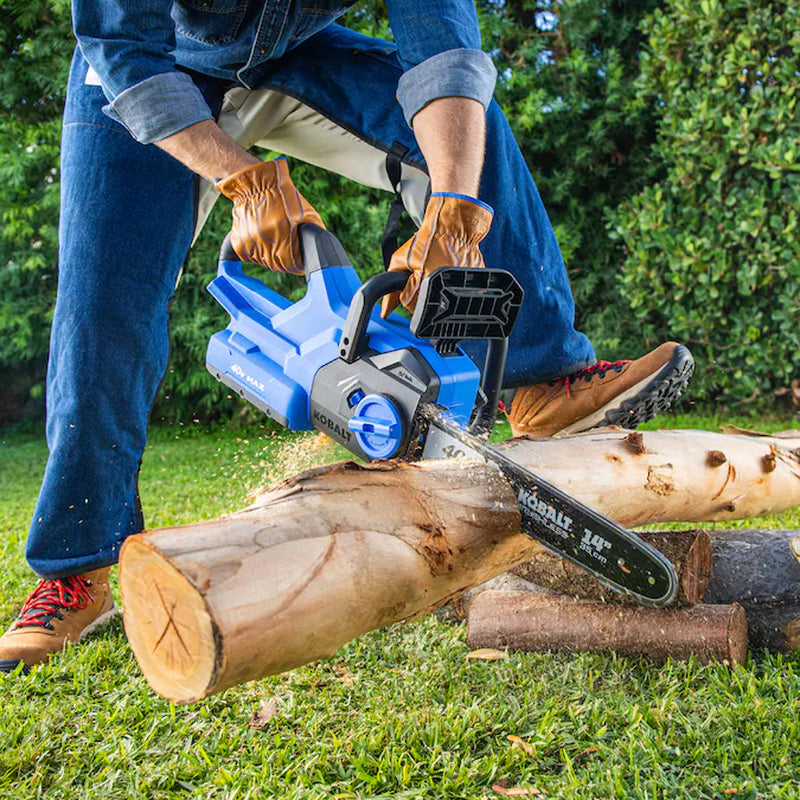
(662, 136)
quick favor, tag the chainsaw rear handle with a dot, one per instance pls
(319, 248)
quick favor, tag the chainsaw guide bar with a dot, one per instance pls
(618, 558)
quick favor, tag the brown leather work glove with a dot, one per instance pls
(451, 231)
(267, 208)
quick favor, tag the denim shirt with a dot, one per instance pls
(137, 47)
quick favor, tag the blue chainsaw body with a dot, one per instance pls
(273, 349)
(329, 361)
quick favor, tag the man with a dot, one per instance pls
(148, 82)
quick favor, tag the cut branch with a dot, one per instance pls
(542, 622)
(341, 550)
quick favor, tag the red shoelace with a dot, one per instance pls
(51, 597)
(587, 373)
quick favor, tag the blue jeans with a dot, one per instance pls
(127, 218)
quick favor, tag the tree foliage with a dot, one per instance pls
(568, 69)
(35, 48)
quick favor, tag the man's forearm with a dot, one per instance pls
(451, 132)
(207, 150)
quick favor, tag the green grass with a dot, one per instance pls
(396, 714)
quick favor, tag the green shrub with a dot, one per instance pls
(35, 50)
(713, 256)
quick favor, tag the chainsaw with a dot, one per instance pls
(399, 388)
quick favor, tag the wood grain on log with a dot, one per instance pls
(320, 559)
(689, 552)
(541, 622)
(341, 550)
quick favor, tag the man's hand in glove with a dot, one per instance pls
(267, 209)
(451, 231)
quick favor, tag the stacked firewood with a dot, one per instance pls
(729, 581)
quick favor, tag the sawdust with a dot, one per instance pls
(303, 451)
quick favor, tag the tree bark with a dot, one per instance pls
(341, 550)
(541, 622)
(688, 551)
(759, 570)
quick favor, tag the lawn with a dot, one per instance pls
(399, 713)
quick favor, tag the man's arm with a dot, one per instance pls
(451, 132)
(446, 87)
(207, 150)
(129, 44)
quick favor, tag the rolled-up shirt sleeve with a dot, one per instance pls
(130, 44)
(439, 46)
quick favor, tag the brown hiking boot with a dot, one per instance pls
(624, 393)
(57, 613)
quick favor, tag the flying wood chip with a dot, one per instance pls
(516, 791)
(487, 654)
(521, 744)
(261, 718)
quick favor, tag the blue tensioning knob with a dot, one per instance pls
(377, 425)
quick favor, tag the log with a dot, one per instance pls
(680, 476)
(688, 551)
(759, 570)
(756, 569)
(318, 560)
(338, 551)
(544, 622)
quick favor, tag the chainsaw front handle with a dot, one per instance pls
(353, 343)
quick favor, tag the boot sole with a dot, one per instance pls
(646, 399)
(102, 620)
(10, 664)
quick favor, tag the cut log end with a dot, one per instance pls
(168, 624)
(737, 634)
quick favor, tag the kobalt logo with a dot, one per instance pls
(237, 370)
(544, 510)
(342, 433)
